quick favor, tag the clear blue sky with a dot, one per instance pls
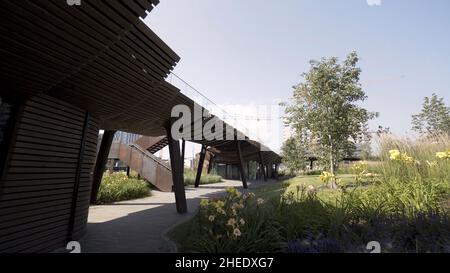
(250, 51)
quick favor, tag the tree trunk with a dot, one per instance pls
(333, 181)
(331, 163)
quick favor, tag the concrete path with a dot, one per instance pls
(139, 225)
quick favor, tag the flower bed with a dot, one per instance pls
(119, 187)
(400, 204)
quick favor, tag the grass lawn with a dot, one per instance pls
(190, 175)
(323, 192)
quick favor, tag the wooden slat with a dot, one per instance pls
(37, 192)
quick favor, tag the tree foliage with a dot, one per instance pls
(325, 107)
(294, 154)
(434, 117)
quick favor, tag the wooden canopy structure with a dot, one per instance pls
(67, 72)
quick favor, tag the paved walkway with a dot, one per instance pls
(139, 225)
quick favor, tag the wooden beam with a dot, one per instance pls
(200, 166)
(177, 173)
(100, 163)
(241, 165)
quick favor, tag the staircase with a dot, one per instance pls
(148, 166)
(152, 144)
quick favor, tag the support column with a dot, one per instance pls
(177, 173)
(260, 168)
(269, 171)
(183, 150)
(241, 165)
(100, 164)
(311, 164)
(200, 166)
(248, 170)
(277, 167)
(263, 169)
(211, 163)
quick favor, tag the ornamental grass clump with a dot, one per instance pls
(119, 187)
(205, 178)
(414, 174)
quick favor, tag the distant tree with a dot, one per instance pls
(294, 154)
(366, 150)
(383, 130)
(434, 117)
(326, 107)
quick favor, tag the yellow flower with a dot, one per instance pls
(220, 204)
(260, 201)
(231, 190)
(211, 218)
(371, 175)
(204, 202)
(242, 221)
(326, 176)
(395, 155)
(360, 167)
(442, 155)
(236, 232)
(407, 159)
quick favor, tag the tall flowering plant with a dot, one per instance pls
(224, 219)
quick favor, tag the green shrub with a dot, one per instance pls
(119, 187)
(314, 172)
(190, 175)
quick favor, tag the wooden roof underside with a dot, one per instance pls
(99, 56)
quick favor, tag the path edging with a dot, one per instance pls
(173, 247)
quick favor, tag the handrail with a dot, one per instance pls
(150, 155)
